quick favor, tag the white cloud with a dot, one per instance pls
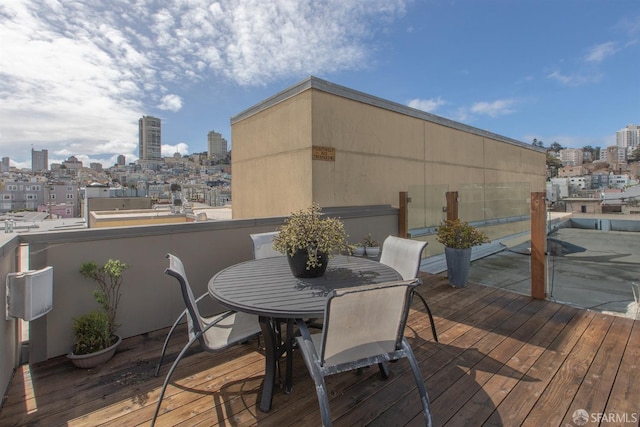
(80, 74)
(495, 108)
(170, 102)
(170, 150)
(599, 52)
(630, 24)
(461, 114)
(428, 105)
(574, 79)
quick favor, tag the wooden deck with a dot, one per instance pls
(502, 359)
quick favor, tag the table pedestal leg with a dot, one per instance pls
(271, 358)
(288, 384)
(275, 346)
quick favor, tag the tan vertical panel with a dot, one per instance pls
(538, 245)
(403, 215)
(452, 205)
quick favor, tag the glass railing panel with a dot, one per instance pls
(427, 206)
(486, 202)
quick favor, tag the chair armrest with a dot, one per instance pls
(306, 345)
(304, 330)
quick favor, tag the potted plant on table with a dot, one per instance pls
(95, 338)
(371, 246)
(309, 239)
(458, 238)
(357, 249)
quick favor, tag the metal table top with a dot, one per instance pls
(266, 287)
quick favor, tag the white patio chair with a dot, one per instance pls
(404, 256)
(362, 326)
(263, 245)
(213, 333)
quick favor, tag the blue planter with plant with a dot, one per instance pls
(458, 238)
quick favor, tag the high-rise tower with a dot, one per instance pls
(216, 145)
(628, 139)
(39, 160)
(150, 138)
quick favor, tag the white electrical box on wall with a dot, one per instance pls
(29, 294)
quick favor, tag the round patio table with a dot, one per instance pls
(267, 288)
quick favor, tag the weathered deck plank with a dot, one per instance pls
(514, 409)
(595, 388)
(490, 396)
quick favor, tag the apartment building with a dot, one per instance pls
(572, 156)
(39, 160)
(72, 164)
(216, 145)
(59, 198)
(569, 170)
(628, 138)
(149, 138)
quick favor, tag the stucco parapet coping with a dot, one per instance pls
(346, 212)
(345, 92)
(106, 233)
(8, 245)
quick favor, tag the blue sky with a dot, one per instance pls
(75, 76)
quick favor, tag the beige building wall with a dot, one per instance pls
(271, 162)
(131, 218)
(103, 203)
(380, 149)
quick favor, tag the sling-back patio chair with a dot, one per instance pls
(214, 333)
(404, 256)
(362, 326)
(263, 245)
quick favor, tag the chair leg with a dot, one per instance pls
(168, 377)
(323, 400)
(308, 354)
(426, 306)
(384, 370)
(166, 341)
(173, 328)
(417, 375)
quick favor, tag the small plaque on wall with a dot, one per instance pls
(323, 153)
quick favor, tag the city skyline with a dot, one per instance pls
(561, 72)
